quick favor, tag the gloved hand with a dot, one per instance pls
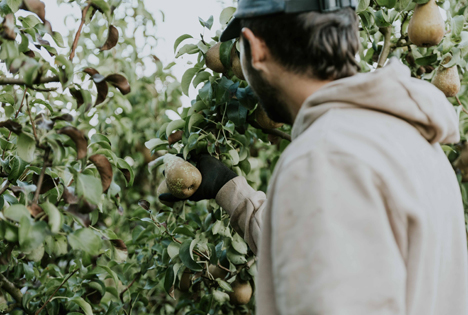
(214, 176)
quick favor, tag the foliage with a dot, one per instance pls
(91, 235)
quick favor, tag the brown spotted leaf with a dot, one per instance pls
(104, 168)
(126, 173)
(83, 218)
(30, 54)
(35, 210)
(78, 96)
(120, 250)
(120, 82)
(8, 26)
(12, 126)
(175, 137)
(112, 38)
(69, 197)
(101, 85)
(64, 117)
(144, 204)
(78, 138)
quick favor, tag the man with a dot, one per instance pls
(364, 213)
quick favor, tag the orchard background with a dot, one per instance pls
(85, 112)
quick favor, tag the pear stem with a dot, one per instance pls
(460, 103)
(387, 33)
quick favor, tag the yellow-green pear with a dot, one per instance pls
(264, 121)
(182, 178)
(242, 292)
(162, 189)
(426, 27)
(236, 64)
(217, 272)
(447, 79)
(213, 60)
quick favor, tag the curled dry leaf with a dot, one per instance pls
(120, 82)
(64, 117)
(112, 38)
(69, 197)
(104, 168)
(126, 173)
(78, 137)
(101, 85)
(34, 6)
(175, 137)
(48, 183)
(83, 218)
(35, 210)
(8, 26)
(119, 244)
(12, 126)
(30, 54)
(77, 96)
(144, 204)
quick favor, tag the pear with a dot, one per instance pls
(182, 178)
(242, 292)
(447, 79)
(213, 60)
(185, 282)
(426, 27)
(264, 121)
(162, 189)
(236, 64)
(217, 272)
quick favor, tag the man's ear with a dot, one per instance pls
(258, 49)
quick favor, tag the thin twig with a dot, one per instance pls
(18, 111)
(387, 33)
(273, 132)
(460, 103)
(78, 32)
(63, 282)
(41, 177)
(128, 287)
(32, 121)
(11, 289)
(12, 81)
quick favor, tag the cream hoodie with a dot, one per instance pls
(364, 213)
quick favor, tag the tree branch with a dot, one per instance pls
(273, 132)
(63, 282)
(41, 177)
(460, 103)
(387, 33)
(11, 289)
(128, 287)
(13, 81)
(78, 32)
(32, 121)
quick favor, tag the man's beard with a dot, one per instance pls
(268, 96)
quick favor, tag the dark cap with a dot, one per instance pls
(253, 8)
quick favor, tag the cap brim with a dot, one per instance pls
(233, 30)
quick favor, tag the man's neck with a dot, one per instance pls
(296, 89)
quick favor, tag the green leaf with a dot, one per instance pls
(194, 119)
(239, 244)
(225, 53)
(206, 94)
(402, 5)
(382, 19)
(169, 279)
(58, 39)
(29, 21)
(7, 98)
(208, 23)
(54, 215)
(224, 285)
(457, 25)
(103, 6)
(187, 79)
(201, 77)
(31, 234)
(16, 212)
(122, 164)
(180, 39)
(82, 304)
(173, 249)
(86, 240)
(14, 5)
(362, 5)
(220, 297)
(89, 187)
(154, 143)
(427, 60)
(234, 155)
(226, 15)
(26, 147)
(389, 4)
(188, 49)
(174, 125)
(185, 255)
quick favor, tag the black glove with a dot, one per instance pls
(214, 176)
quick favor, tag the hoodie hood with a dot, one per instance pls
(391, 90)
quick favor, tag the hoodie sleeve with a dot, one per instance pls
(245, 206)
(332, 246)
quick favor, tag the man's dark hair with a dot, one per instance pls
(319, 45)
